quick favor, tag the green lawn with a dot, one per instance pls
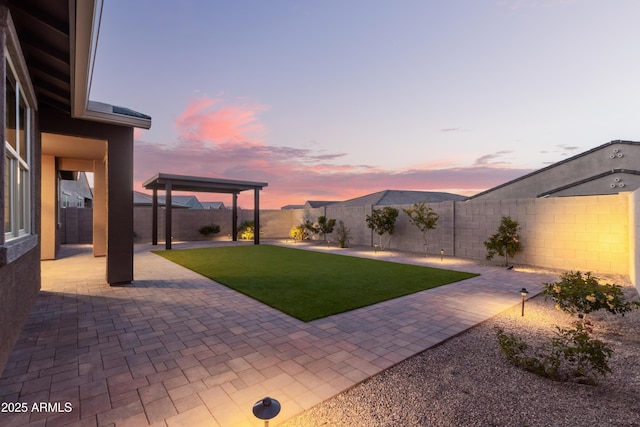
(309, 285)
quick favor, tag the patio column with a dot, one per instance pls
(119, 199)
(168, 205)
(234, 218)
(99, 208)
(154, 217)
(256, 216)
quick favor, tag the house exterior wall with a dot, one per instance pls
(615, 155)
(118, 186)
(20, 264)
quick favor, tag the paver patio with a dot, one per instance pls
(177, 349)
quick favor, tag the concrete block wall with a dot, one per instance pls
(408, 237)
(571, 233)
(274, 224)
(354, 221)
(634, 236)
(589, 233)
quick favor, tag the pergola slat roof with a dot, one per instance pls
(170, 182)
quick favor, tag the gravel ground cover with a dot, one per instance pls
(466, 381)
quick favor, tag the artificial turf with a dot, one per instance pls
(309, 285)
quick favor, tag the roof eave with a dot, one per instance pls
(84, 27)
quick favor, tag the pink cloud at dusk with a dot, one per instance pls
(207, 119)
(218, 140)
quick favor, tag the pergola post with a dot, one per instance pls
(256, 216)
(234, 218)
(167, 220)
(154, 217)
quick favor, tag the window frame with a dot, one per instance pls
(17, 164)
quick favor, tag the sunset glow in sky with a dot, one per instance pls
(334, 99)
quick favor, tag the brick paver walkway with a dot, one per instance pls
(176, 349)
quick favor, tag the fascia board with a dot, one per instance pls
(84, 21)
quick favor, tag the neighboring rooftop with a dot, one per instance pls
(401, 197)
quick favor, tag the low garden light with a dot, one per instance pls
(266, 409)
(524, 293)
(375, 248)
(441, 254)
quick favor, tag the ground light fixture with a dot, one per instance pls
(266, 409)
(441, 254)
(524, 293)
(375, 248)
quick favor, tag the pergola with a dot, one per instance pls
(169, 183)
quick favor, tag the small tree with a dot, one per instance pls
(343, 235)
(326, 225)
(424, 218)
(506, 242)
(383, 221)
(323, 226)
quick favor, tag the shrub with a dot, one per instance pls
(246, 231)
(206, 230)
(343, 235)
(571, 355)
(581, 294)
(299, 232)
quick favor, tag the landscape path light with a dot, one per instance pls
(266, 409)
(441, 254)
(524, 293)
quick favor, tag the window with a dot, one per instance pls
(18, 134)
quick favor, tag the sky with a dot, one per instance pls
(335, 99)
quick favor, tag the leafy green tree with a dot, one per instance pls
(323, 226)
(424, 218)
(383, 221)
(506, 242)
(326, 225)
